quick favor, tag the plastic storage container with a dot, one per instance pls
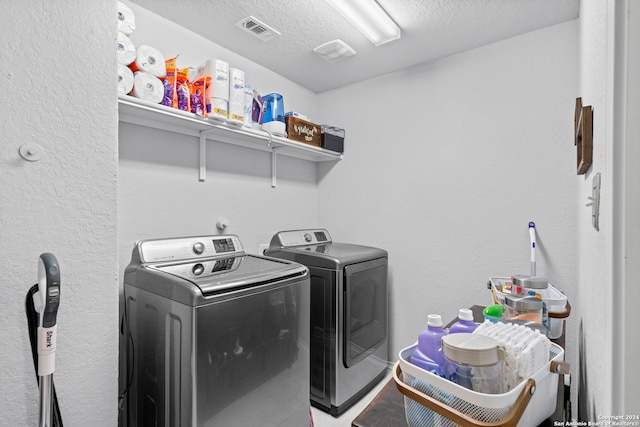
(332, 138)
(558, 307)
(474, 361)
(523, 308)
(465, 322)
(428, 352)
(533, 286)
(434, 401)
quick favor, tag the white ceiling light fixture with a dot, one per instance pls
(370, 18)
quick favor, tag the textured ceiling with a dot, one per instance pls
(431, 29)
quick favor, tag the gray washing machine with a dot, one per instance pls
(215, 336)
(349, 344)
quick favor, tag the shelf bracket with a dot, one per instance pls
(203, 153)
(274, 159)
(274, 165)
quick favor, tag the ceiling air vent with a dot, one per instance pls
(334, 51)
(258, 28)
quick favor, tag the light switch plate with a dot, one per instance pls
(595, 201)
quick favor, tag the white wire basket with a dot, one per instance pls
(431, 400)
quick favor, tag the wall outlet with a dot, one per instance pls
(262, 247)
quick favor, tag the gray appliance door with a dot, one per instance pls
(252, 358)
(365, 313)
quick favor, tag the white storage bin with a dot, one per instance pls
(557, 304)
(431, 400)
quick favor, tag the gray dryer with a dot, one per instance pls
(349, 305)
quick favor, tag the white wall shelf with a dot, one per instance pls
(143, 113)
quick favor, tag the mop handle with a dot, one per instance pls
(532, 237)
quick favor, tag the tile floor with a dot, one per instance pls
(322, 419)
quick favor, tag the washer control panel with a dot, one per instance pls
(185, 248)
(202, 268)
(303, 237)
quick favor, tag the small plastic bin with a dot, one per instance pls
(557, 304)
(431, 400)
(332, 138)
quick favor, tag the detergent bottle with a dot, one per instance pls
(465, 322)
(428, 353)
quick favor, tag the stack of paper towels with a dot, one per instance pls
(236, 96)
(139, 69)
(126, 51)
(217, 102)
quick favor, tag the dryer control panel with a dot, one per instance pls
(186, 248)
(292, 238)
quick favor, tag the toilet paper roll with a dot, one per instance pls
(126, 19)
(126, 50)
(150, 60)
(125, 79)
(148, 87)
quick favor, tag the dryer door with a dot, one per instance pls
(365, 309)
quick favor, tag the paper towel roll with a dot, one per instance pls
(148, 87)
(150, 60)
(126, 19)
(236, 95)
(125, 79)
(219, 108)
(219, 72)
(126, 50)
(248, 104)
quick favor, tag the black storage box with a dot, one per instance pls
(332, 138)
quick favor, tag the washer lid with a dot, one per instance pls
(314, 248)
(217, 275)
(332, 255)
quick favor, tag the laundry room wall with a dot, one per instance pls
(57, 75)
(606, 376)
(447, 162)
(593, 373)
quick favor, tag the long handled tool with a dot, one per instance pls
(532, 238)
(42, 305)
